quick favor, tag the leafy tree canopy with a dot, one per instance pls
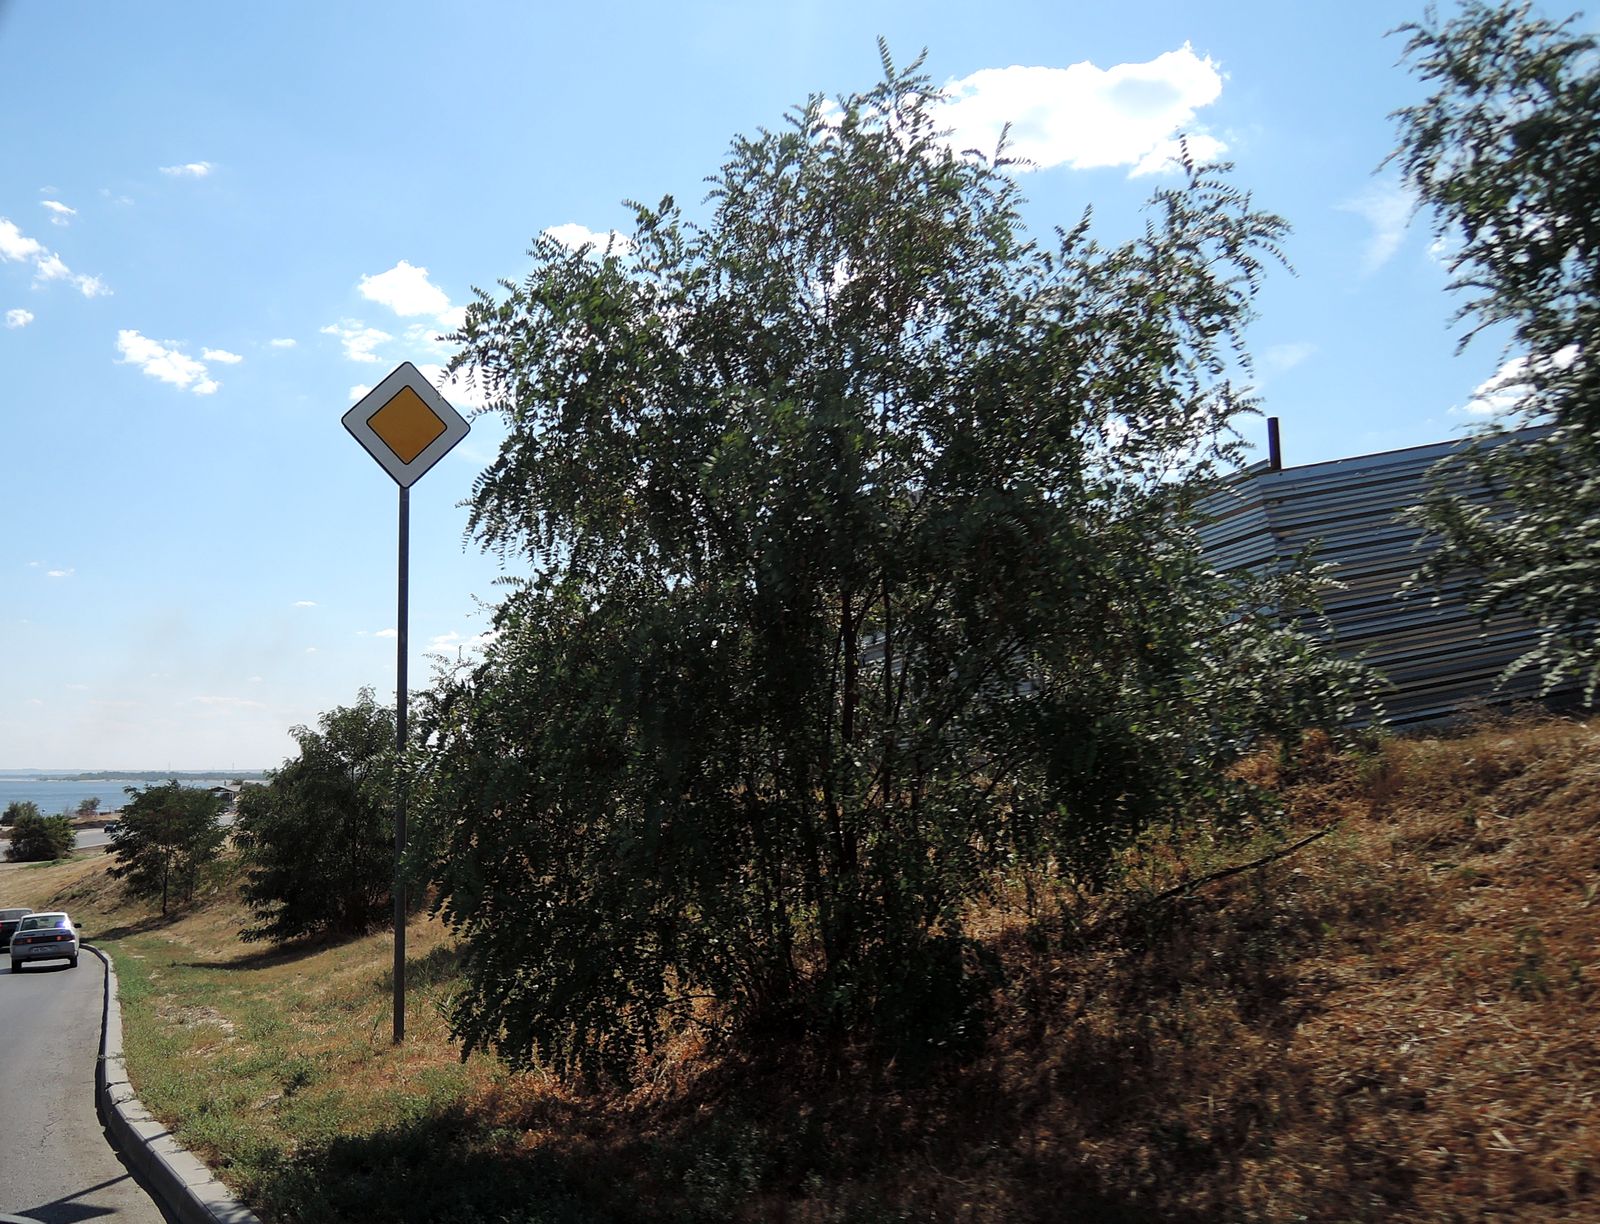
(17, 809)
(165, 835)
(318, 838)
(862, 578)
(36, 838)
(1505, 152)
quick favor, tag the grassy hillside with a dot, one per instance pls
(1395, 1021)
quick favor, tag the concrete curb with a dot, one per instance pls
(185, 1186)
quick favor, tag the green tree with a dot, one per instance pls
(318, 839)
(89, 806)
(1504, 151)
(36, 838)
(17, 809)
(863, 576)
(165, 835)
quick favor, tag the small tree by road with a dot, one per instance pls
(37, 839)
(863, 582)
(17, 809)
(318, 838)
(166, 833)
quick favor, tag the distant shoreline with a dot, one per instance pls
(133, 775)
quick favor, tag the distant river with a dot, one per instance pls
(56, 795)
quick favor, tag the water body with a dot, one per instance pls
(56, 795)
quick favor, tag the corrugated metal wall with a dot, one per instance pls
(1438, 656)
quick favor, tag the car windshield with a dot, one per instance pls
(42, 922)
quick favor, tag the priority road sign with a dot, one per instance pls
(405, 424)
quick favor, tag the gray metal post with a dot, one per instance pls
(403, 634)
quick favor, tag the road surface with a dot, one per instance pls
(56, 1165)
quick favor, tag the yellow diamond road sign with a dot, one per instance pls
(405, 424)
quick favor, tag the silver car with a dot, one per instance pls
(47, 936)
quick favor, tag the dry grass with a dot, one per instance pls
(1394, 1023)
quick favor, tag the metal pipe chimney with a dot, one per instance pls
(1274, 447)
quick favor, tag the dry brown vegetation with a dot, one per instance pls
(1395, 1022)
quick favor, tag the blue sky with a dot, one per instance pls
(219, 223)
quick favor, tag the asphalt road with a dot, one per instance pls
(56, 1165)
(89, 839)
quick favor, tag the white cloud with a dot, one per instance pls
(455, 388)
(305, 603)
(60, 214)
(358, 391)
(222, 355)
(406, 290)
(165, 363)
(61, 573)
(1505, 390)
(1168, 155)
(387, 633)
(18, 317)
(358, 339)
(16, 246)
(48, 267)
(311, 650)
(575, 237)
(282, 342)
(189, 170)
(464, 647)
(1387, 206)
(1086, 117)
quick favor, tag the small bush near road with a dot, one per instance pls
(17, 809)
(36, 839)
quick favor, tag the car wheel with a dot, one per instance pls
(16, 966)
(73, 963)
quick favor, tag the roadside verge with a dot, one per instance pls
(186, 1187)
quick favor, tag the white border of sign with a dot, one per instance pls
(405, 375)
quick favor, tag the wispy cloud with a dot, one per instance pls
(305, 603)
(17, 247)
(60, 214)
(222, 355)
(165, 362)
(198, 169)
(1085, 117)
(61, 573)
(358, 339)
(282, 342)
(463, 647)
(18, 317)
(1277, 358)
(232, 703)
(1387, 206)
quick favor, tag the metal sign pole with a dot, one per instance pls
(407, 426)
(401, 696)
